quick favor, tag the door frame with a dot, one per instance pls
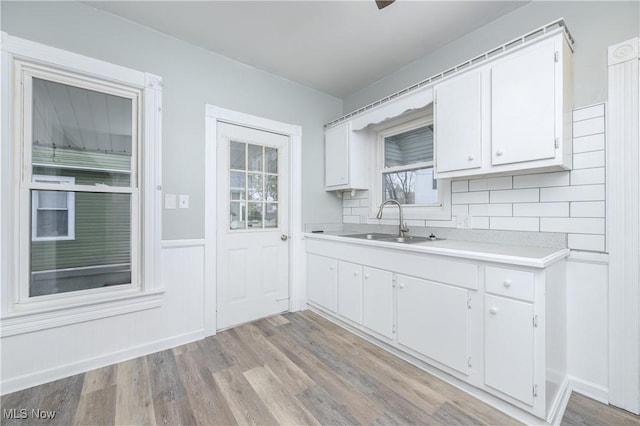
(213, 115)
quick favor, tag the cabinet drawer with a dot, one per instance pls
(512, 283)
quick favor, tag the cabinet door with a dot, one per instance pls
(322, 281)
(377, 301)
(523, 107)
(508, 347)
(350, 291)
(458, 129)
(336, 141)
(433, 320)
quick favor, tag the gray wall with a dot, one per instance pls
(594, 25)
(192, 77)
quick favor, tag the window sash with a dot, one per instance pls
(27, 184)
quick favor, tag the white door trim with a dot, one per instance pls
(213, 115)
(623, 224)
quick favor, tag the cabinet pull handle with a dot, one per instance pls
(499, 153)
(506, 283)
(493, 310)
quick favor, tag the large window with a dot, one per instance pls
(86, 227)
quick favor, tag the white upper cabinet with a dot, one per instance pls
(457, 123)
(511, 113)
(345, 159)
(523, 106)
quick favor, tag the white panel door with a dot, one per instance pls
(322, 281)
(508, 347)
(350, 291)
(523, 114)
(336, 141)
(458, 129)
(433, 320)
(377, 301)
(253, 224)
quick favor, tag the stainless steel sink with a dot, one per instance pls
(370, 236)
(412, 239)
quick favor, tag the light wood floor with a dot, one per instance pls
(294, 369)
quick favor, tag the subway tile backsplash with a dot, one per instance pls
(570, 202)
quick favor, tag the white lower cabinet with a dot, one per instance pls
(377, 301)
(322, 281)
(508, 347)
(495, 326)
(350, 291)
(433, 320)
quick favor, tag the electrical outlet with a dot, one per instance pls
(464, 222)
(183, 201)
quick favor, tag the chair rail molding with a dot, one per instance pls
(623, 224)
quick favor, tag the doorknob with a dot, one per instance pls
(284, 237)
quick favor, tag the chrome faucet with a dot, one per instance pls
(402, 227)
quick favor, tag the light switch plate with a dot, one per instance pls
(183, 201)
(169, 201)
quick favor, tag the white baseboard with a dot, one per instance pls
(590, 390)
(45, 376)
(559, 405)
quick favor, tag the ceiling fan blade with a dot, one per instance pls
(383, 3)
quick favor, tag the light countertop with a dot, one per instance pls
(537, 257)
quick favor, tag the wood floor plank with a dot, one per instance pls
(179, 350)
(266, 327)
(62, 397)
(208, 405)
(97, 407)
(279, 398)
(585, 411)
(289, 373)
(325, 408)
(360, 406)
(215, 357)
(170, 400)
(98, 379)
(277, 320)
(239, 351)
(451, 415)
(134, 404)
(244, 402)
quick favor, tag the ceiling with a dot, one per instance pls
(337, 47)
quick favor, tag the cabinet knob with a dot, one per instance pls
(471, 158)
(366, 276)
(506, 283)
(355, 274)
(493, 310)
(499, 153)
(332, 267)
(401, 285)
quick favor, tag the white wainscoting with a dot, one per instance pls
(588, 324)
(30, 359)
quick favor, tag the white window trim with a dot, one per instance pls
(439, 211)
(68, 308)
(71, 209)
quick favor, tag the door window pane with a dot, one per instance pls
(82, 133)
(255, 215)
(271, 188)
(98, 256)
(271, 160)
(237, 186)
(237, 215)
(237, 156)
(255, 187)
(271, 215)
(255, 158)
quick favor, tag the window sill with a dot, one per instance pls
(27, 319)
